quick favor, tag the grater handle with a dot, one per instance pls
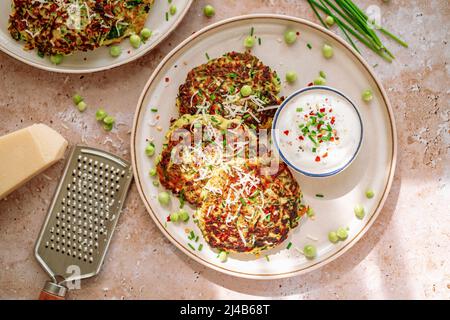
(52, 291)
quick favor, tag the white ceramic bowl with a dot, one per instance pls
(275, 132)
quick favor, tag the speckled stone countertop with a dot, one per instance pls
(406, 254)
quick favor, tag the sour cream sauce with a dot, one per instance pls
(318, 132)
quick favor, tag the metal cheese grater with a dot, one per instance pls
(82, 218)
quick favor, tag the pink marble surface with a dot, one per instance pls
(406, 254)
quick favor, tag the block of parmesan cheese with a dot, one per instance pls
(26, 153)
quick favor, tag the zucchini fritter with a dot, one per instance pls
(245, 211)
(64, 26)
(214, 88)
(195, 146)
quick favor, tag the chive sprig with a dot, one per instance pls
(353, 21)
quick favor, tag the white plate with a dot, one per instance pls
(99, 59)
(346, 71)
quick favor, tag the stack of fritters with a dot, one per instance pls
(240, 209)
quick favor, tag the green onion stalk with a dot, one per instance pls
(352, 21)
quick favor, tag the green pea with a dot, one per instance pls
(173, 10)
(291, 76)
(115, 51)
(310, 251)
(320, 81)
(152, 172)
(135, 41)
(100, 114)
(164, 198)
(359, 212)
(342, 233)
(290, 37)
(327, 51)
(367, 95)
(329, 20)
(146, 33)
(108, 127)
(150, 150)
(174, 217)
(246, 90)
(184, 215)
(310, 213)
(77, 99)
(209, 11)
(223, 256)
(370, 194)
(109, 120)
(81, 106)
(333, 237)
(249, 42)
(56, 59)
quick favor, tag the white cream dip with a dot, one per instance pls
(318, 131)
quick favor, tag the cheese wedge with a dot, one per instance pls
(26, 153)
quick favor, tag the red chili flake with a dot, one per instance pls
(322, 110)
(301, 138)
(325, 155)
(333, 119)
(168, 218)
(286, 132)
(298, 33)
(318, 127)
(332, 139)
(331, 110)
(317, 159)
(310, 84)
(167, 79)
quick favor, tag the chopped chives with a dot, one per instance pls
(207, 56)
(289, 245)
(154, 110)
(309, 46)
(200, 247)
(191, 246)
(319, 195)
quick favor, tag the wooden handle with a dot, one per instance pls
(53, 291)
(48, 296)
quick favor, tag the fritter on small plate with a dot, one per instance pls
(65, 26)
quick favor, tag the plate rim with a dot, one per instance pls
(349, 244)
(180, 18)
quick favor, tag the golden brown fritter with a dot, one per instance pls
(195, 146)
(64, 26)
(246, 211)
(214, 88)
